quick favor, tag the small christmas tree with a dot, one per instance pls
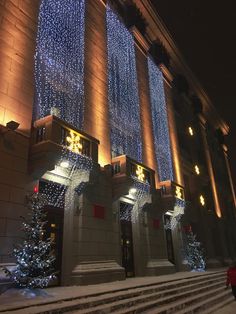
(194, 252)
(34, 258)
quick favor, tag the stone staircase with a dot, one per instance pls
(203, 293)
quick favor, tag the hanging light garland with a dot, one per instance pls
(140, 193)
(160, 123)
(177, 214)
(123, 90)
(59, 61)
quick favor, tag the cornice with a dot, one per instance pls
(140, 40)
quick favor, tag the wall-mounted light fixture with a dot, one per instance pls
(202, 200)
(190, 131)
(197, 170)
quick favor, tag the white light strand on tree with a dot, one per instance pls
(34, 257)
(160, 123)
(194, 253)
(59, 61)
(123, 90)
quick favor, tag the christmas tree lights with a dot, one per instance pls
(160, 123)
(34, 258)
(123, 90)
(59, 61)
(194, 253)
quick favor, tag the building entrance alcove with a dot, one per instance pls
(169, 240)
(54, 231)
(54, 196)
(126, 233)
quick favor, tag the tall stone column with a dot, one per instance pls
(149, 158)
(178, 175)
(96, 119)
(176, 157)
(18, 25)
(215, 195)
(229, 174)
(210, 168)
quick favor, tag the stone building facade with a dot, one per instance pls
(117, 133)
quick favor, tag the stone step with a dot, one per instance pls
(218, 305)
(166, 305)
(123, 295)
(147, 292)
(194, 304)
(159, 298)
(207, 306)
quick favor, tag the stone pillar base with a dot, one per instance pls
(5, 282)
(160, 267)
(213, 263)
(87, 273)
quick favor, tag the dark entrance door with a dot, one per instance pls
(169, 241)
(126, 239)
(54, 231)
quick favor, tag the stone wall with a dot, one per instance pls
(18, 20)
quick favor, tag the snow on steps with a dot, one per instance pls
(187, 295)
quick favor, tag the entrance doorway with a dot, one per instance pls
(54, 194)
(169, 240)
(54, 231)
(127, 238)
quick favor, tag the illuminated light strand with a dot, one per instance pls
(160, 123)
(132, 212)
(59, 61)
(78, 173)
(123, 90)
(177, 214)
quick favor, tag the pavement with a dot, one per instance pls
(229, 309)
(14, 299)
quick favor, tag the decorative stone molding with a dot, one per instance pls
(159, 54)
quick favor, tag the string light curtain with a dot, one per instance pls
(123, 90)
(59, 61)
(160, 123)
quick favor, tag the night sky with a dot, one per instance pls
(205, 32)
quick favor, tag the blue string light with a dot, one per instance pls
(123, 90)
(160, 123)
(59, 61)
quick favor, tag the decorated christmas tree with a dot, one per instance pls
(34, 258)
(194, 252)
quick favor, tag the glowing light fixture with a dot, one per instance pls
(179, 192)
(140, 174)
(202, 200)
(64, 164)
(74, 143)
(197, 170)
(190, 131)
(132, 191)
